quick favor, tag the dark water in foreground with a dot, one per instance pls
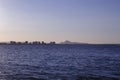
(59, 62)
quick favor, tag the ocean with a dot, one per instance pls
(59, 62)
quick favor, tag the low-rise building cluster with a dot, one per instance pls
(29, 43)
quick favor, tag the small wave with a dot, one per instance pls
(96, 78)
(33, 78)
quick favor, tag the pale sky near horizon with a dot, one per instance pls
(91, 21)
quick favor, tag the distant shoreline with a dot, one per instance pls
(52, 43)
(63, 44)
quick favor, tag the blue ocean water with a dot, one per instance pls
(59, 62)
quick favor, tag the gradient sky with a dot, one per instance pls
(92, 21)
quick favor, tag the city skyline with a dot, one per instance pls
(87, 21)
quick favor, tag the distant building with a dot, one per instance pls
(26, 42)
(52, 42)
(36, 42)
(12, 42)
(43, 42)
(18, 42)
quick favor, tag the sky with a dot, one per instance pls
(89, 21)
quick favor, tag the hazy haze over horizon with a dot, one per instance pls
(89, 21)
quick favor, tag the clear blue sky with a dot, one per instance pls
(92, 21)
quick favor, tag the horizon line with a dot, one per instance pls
(72, 42)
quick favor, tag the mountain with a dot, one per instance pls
(69, 42)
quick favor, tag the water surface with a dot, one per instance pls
(60, 62)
